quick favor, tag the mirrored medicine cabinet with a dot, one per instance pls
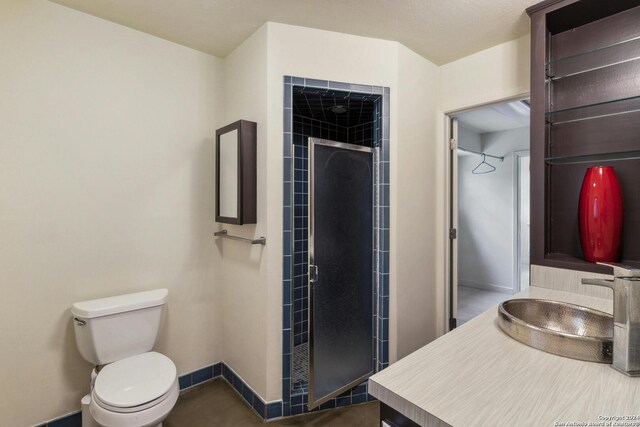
(236, 173)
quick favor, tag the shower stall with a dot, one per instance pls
(338, 287)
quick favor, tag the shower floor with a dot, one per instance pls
(300, 367)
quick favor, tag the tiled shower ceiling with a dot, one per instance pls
(316, 103)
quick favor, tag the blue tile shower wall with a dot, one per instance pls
(304, 127)
(300, 243)
(319, 129)
(362, 134)
(296, 130)
(381, 135)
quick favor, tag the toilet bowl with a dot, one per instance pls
(136, 391)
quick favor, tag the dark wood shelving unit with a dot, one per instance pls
(585, 111)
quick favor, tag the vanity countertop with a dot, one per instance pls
(478, 376)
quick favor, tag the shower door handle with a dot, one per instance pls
(313, 273)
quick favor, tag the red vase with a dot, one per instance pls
(601, 214)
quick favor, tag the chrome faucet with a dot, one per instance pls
(626, 316)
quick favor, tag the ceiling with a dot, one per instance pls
(439, 30)
(509, 115)
(317, 103)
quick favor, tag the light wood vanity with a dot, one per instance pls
(478, 376)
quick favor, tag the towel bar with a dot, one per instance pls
(223, 233)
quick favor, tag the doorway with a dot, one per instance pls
(330, 348)
(489, 180)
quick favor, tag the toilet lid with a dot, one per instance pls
(135, 380)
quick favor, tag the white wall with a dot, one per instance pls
(253, 277)
(500, 72)
(413, 228)
(106, 187)
(487, 213)
(492, 75)
(243, 268)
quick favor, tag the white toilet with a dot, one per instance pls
(131, 385)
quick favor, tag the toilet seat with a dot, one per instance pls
(151, 416)
(135, 383)
(126, 410)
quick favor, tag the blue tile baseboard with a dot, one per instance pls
(70, 420)
(356, 395)
(278, 409)
(266, 410)
(199, 376)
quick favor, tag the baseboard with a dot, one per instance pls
(485, 287)
(265, 410)
(74, 419)
(188, 381)
(199, 376)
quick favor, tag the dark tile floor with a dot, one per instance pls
(217, 404)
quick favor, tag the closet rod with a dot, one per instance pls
(223, 233)
(480, 154)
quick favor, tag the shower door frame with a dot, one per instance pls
(312, 401)
(294, 402)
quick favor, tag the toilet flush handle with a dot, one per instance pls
(80, 322)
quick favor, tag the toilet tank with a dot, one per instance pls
(110, 329)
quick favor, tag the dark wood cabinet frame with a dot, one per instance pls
(247, 175)
(394, 418)
(552, 244)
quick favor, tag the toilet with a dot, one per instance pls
(131, 386)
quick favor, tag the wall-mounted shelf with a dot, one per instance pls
(630, 43)
(592, 158)
(597, 85)
(576, 263)
(596, 110)
(601, 57)
(226, 235)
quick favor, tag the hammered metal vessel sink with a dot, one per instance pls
(560, 328)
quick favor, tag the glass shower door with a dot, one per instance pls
(340, 268)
